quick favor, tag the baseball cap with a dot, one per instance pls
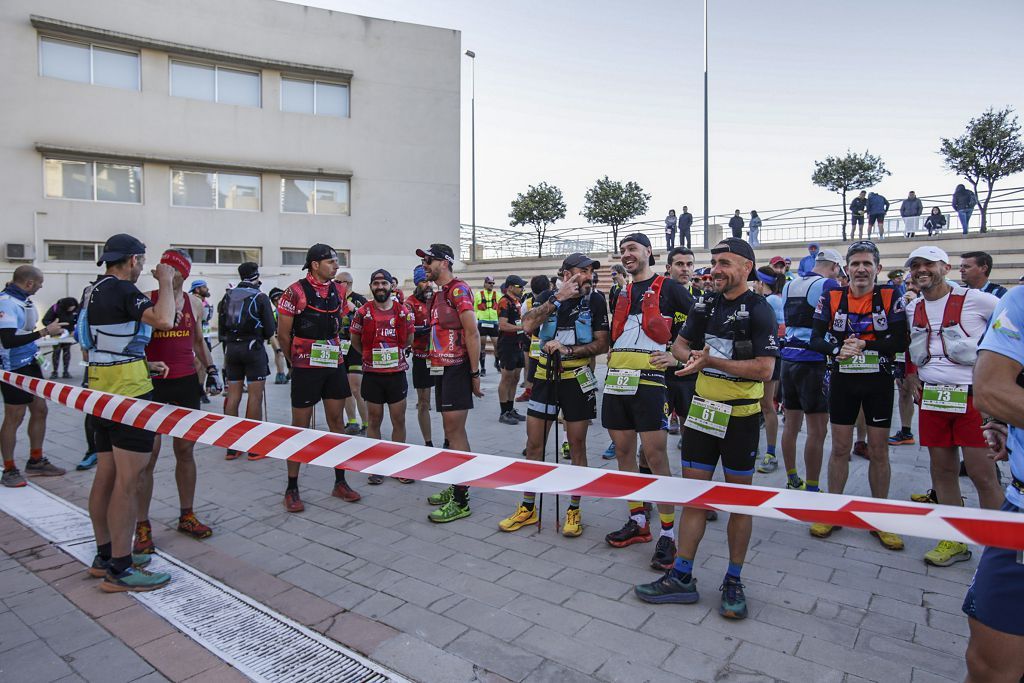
(735, 245)
(830, 255)
(419, 274)
(196, 284)
(578, 260)
(928, 253)
(179, 260)
(275, 292)
(380, 274)
(514, 280)
(488, 280)
(787, 260)
(319, 252)
(776, 259)
(437, 251)
(119, 246)
(640, 239)
(250, 270)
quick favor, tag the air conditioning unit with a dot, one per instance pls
(19, 252)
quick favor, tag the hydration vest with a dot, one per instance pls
(321, 318)
(370, 336)
(447, 343)
(654, 324)
(797, 311)
(112, 343)
(879, 318)
(703, 309)
(583, 325)
(957, 345)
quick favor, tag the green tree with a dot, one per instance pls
(990, 149)
(540, 206)
(612, 203)
(851, 172)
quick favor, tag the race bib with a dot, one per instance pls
(436, 370)
(862, 364)
(385, 358)
(710, 417)
(586, 379)
(489, 324)
(535, 348)
(944, 398)
(621, 382)
(323, 354)
(346, 344)
(900, 357)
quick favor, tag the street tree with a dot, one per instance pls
(990, 149)
(612, 203)
(540, 206)
(851, 172)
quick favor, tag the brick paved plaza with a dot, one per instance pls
(464, 601)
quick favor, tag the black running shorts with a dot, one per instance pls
(13, 396)
(454, 389)
(737, 449)
(565, 395)
(354, 362)
(246, 360)
(803, 386)
(180, 391)
(680, 395)
(510, 356)
(110, 435)
(490, 329)
(848, 393)
(384, 387)
(421, 377)
(644, 411)
(311, 385)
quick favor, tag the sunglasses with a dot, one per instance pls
(427, 260)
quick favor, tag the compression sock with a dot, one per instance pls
(339, 476)
(574, 502)
(771, 449)
(103, 550)
(35, 455)
(668, 521)
(461, 495)
(505, 406)
(812, 485)
(682, 567)
(734, 570)
(293, 484)
(529, 499)
(636, 512)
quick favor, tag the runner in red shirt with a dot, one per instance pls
(422, 381)
(181, 350)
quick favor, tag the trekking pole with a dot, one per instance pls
(557, 363)
(554, 361)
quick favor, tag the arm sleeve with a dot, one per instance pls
(818, 342)
(10, 339)
(267, 316)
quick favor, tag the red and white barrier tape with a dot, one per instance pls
(443, 466)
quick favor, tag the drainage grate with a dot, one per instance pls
(262, 644)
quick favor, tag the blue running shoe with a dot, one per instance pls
(670, 588)
(87, 463)
(609, 453)
(734, 602)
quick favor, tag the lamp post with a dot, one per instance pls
(706, 226)
(472, 138)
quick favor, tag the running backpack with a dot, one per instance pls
(240, 315)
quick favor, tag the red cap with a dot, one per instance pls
(179, 260)
(776, 259)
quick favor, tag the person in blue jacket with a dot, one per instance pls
(878, 206)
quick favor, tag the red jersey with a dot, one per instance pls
(317, 308)
(447, 341)
(421, 324)
(384, 335)
(174, 346)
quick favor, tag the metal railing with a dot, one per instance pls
(797, 225)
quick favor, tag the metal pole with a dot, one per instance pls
(707, 228)
(472, 137)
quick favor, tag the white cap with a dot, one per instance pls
(829, 255)
(928, 253)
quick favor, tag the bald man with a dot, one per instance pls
(18, 349)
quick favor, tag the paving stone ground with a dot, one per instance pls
(465, 601)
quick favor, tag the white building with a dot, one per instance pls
(239, 129)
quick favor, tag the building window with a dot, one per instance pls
(88, 63)
(73, 251)
(314, 195)
(228, 256)
(101, 181)
(297, 257)
(314, 97)
(215, 190)
(215, 83)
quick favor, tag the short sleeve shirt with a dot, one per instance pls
(21, 316)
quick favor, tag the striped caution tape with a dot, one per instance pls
(443, 466)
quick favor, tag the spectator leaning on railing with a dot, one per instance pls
(911, 210)
(964, 202)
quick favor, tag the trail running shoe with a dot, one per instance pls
(902, 438)
(819, 530)
(449, 512)
(404, 480)
(522, 517)
(664, 554)
(345, 492)
(797, 484)
(525, 396)
(100, 566)
(508, 419)
(43, 468)
(12, 478)
(441, 497)
(143, 539)
(279, 378)
(769, 463)
(573, 526)
(253, 457)
(566, 455)
(670, 588)
(375, 480)
(134, 580)
(232, 454)
(734, 602)
(517, 415)
(673, 425)
(929, 497)
(947, 553)
(352, 428)
(609, 453)
(189, 524)
(292, 502)
(87, 463)
(711, 515)
(860, 448)
(889, 540)
(630, 533)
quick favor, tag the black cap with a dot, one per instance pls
(578, 260)
(515, 281)
(275, 292)
(639, 238)
(319, 252)
(437, 251)
(735, 245)
(379, 274)
(120, 246)
(250, 270)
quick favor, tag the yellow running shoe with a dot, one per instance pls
(888, 540)
(573, 527)
(947, 553)
(929, 497)
(521, 518)
(819, 530)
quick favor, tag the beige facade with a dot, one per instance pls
(215, 144)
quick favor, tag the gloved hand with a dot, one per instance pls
(213, 385)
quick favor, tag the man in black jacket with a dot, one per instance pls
(685, 221)
(736, 225)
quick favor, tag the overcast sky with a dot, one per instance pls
(570, 90)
